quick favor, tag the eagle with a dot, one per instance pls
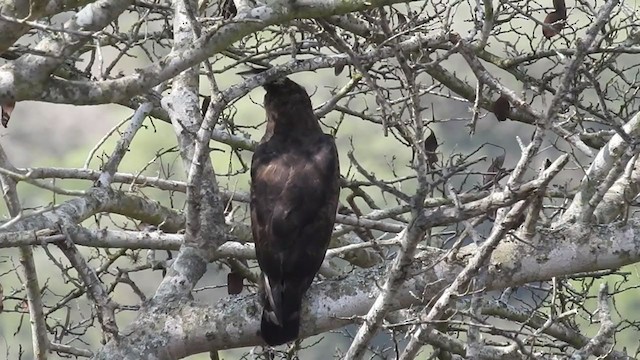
(294, 197)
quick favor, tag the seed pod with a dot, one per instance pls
(561, 8)
(6, 110)
(555, 22)
(228, 9)
(495, 171)
(557, 18)
(205, 105)
(234, 283)
(430, 146)
(501, 108)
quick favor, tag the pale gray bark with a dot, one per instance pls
(26, 76)
(211, 42)
(190, 327)
(542, 229)
(15, 13)
(39, 339)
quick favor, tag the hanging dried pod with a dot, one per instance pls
(501, 108)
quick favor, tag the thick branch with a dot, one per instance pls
(599, 169)
(26, 76)
(95, 201)
(212, 42)
(11, 31)
(190, 328)
(34, 299)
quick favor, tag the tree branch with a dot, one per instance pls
(34, 298)
(190, 327)
(26, 76)
(211, 42)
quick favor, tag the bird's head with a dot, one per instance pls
(282, 92)
(286, 93)
(287, 105)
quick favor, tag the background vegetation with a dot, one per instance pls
(497, 249)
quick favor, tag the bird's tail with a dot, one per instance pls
(281, 312)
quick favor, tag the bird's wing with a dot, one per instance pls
(294, 194)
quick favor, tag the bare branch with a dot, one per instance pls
(332, 304)
(36, 310)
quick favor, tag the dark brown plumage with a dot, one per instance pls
(294, 197)
(557, 18)
(501, 108)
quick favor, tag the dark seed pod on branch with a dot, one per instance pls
(501, 108)
(560, 7)
(555, 24)
(7, 109)
(430, 146)
(234, 283)
(495, 171)
(555, 21)
(205, 105)
(228, 9)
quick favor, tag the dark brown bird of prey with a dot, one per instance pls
(294, 198)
